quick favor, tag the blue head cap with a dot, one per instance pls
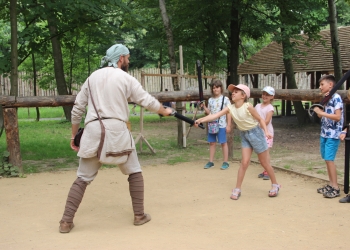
(113, 54)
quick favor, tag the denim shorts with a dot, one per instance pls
(329, 148)
(255, 139)
(219, 137)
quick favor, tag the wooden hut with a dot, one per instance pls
(315, 60)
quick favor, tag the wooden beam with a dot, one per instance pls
(313, 95)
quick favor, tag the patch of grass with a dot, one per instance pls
(45, 140)
(176, 159)
(30, 169)
(310, 168)
(46, 112)
(320, 171)
(44, 145)
(287, 167)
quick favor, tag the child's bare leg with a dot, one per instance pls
(246, 154)
(332, 174)
(264, 159)
(212, 148)
(225, 151)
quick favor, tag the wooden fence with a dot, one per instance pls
(302, 79)
(153, 83)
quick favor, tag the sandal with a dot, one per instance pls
(332, 193)
(324, 189)
(274, 191)
(236, 193)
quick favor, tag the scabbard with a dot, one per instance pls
(346, 165)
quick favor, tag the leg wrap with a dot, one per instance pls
(136, 192)
(75, 196)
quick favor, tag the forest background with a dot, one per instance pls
(63, 41)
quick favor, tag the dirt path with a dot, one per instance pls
(190, 209)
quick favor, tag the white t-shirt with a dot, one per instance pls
(214, 105)
(263, 111)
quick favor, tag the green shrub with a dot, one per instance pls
(6, 168)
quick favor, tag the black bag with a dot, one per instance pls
(77, 137)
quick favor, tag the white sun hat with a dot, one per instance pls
(269, 90)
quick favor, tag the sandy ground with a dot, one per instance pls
(190, 209)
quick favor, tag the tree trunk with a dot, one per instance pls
(14, 51)
(171, 51)
(233, 62)
(234, 52)
(34, 86)
(12, 138)
(338, 73)
(161, 68)
(291, 84)
(58, 63)
(288, 66)
(10, 115)
(170, 39)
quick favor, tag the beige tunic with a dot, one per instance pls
(111, 89)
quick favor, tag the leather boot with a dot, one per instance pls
(65, 227)
(74, 199)
(141, 219)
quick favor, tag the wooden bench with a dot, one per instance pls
(276, 108)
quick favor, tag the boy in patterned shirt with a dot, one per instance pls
(331, 128)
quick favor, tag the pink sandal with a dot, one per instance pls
(274, 191)
(236, 193)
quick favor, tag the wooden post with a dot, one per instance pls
(182, 79)
(230, 140)
(283, 101)
(140, 137)
(312, 80)
(318, 76)
(255, 84)
(12, 137)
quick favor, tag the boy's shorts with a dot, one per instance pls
(329, 148)
(255, 139)
(220, 137)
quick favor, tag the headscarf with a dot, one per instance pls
(113, 54)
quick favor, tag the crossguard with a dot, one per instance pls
(311, 109)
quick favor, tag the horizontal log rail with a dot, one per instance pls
(312, 95)
(177, 75)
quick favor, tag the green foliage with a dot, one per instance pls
(6, 169)
(88, 28)
(343, 10)
(290, 18)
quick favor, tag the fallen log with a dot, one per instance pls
(312, 95)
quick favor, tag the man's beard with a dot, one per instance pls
(125, 67)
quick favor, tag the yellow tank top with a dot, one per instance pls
(242, 117)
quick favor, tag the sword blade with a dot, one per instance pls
(200, 85)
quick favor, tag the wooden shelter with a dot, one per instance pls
(315, 59)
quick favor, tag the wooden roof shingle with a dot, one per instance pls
(318, 56)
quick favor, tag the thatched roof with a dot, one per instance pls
(318, 58)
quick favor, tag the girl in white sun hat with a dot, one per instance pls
(265, 110)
